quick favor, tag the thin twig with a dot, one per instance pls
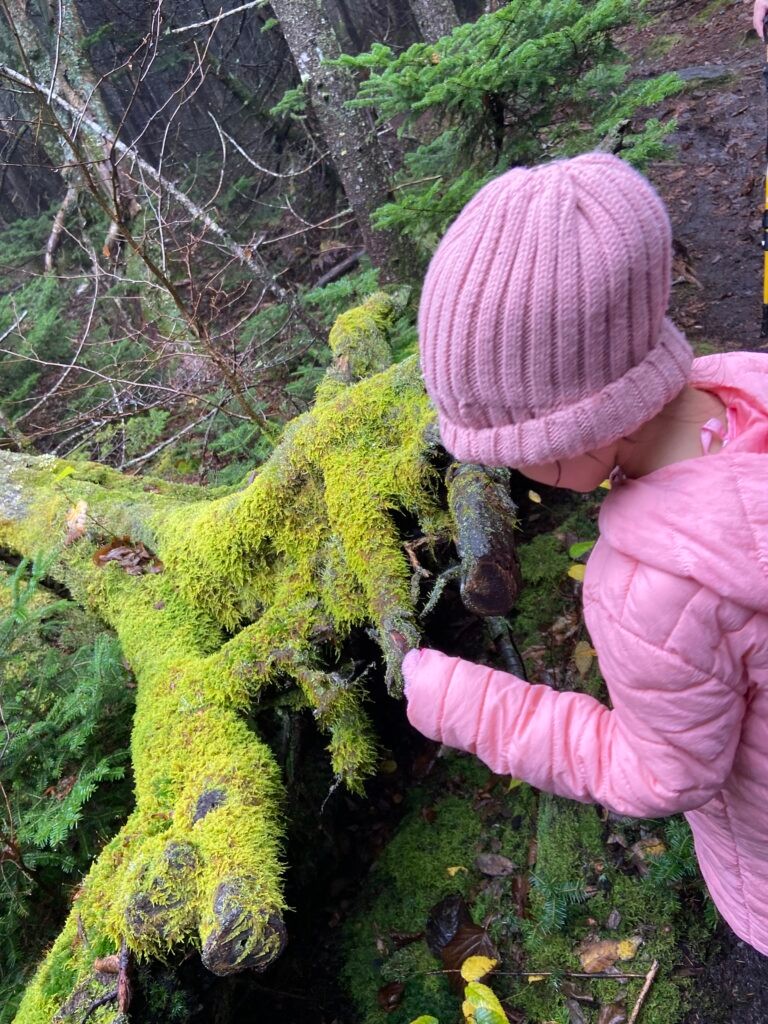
(219, 17)
(73, 361)
(168, 441)
(644, 992)
(57, 51)
(265, 170)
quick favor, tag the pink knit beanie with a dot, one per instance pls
(541, 325)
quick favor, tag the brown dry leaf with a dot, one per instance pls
(62, 788)
(644, 851)
(107, 964)
(135, 559)
(390, 996)
(76, 520)
(612, 1013)
(453, 936)
(598, 956)
(613, 920)
(494, 864)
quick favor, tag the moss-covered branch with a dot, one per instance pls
(237, 589)
(308, 548)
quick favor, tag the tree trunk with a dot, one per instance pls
(349, 135)
(436, 18)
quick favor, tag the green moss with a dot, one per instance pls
(661, 45)
(308, 548)
(544, 567)
(408, 880)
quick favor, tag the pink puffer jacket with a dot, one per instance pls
(676, 602)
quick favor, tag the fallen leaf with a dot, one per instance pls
(533, 978)
(62, 788)
(575, 1012)
(599, 955)
(629, 947)
(494, 865)
(76, 520)
(476, 967)
(583, 655)
(454, 937)
(401, 939)
(614, 920)
(64, 473)
(577, 571)
(135, 559)
(425, 1019)
(107, 964)
(580, 548)
(390, 996)
(534, 497)
(612, 1013)
(645, 851)
(453, 871)
(479, 997)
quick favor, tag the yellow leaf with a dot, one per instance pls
(67, 471)
(513, 784)
(425, 1019)
(455, 870)
(466, 1009)
(532, 978)
(606, 485)
(476, 967)
(533, 496)
(576, 572)
(480, 996)
(629, 947)
(583, 653)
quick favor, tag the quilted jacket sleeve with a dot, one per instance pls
(678, 694)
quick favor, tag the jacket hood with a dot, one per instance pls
(707, 518)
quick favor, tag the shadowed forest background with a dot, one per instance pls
(225, 513)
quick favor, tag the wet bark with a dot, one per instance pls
(435, 18)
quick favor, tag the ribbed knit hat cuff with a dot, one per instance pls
(598, 420)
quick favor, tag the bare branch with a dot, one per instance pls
(244, 254)
(146, 456)
(219, 17)
(265, 170)
(73, 362)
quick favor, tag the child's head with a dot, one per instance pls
(541, 326)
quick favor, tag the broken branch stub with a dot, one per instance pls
(485, 519)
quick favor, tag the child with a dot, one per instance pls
(545, 347)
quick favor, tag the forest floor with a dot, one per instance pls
(713, 181)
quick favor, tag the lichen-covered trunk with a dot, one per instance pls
(349, 133)
(435, 18)
(51, 49)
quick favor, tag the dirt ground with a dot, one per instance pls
(713, 185)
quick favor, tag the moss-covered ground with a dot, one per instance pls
(578, 875)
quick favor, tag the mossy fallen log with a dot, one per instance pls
(239, 587)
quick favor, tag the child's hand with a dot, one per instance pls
(425, 679)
